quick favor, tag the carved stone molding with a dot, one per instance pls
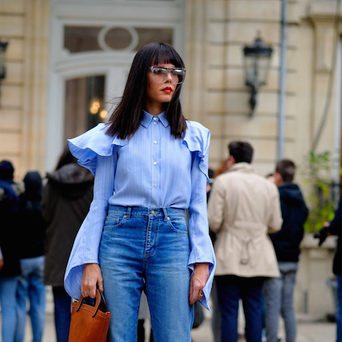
(322, 14)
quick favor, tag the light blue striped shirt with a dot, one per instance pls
(151, 169)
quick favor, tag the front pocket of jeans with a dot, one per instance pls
(177, 224)
(115, 221)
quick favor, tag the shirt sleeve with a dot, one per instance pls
(216, 206)
(86, 245)
(201, 246)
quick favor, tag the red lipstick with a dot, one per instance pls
(167, 90)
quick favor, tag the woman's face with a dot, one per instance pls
(159, 93)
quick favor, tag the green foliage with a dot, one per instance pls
(316, 172)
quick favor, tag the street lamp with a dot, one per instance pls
(257, 59)
(3, 47)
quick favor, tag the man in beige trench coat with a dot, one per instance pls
(243, 208)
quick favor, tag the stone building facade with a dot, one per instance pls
(58, 49)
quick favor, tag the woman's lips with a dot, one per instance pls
(167, 90)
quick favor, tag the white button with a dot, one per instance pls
(154, 123)
(155, 142)
(155, 119)
(155, 185)
(155, 163)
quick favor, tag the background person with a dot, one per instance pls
(11, 205)
(335, 228)
(150, 165)
(243, 207)
(32, 237)
(66, 200)
(278, 292)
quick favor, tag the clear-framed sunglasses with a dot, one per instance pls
(160, 74)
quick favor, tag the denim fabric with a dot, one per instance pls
(8, 287)
(146, 249)
(278, 294)
(62, 312)
(229, 290)
(339, 308)
(31, 286)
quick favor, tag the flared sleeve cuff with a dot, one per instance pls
(197, 139)
(94, 142)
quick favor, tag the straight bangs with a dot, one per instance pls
(167, 55)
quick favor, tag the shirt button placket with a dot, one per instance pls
(155, 154)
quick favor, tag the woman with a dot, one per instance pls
(66, 200)
(150, 165)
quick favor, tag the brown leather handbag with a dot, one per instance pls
(89, 322)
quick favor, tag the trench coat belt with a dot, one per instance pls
(251, 245)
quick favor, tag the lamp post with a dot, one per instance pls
(3, 47)
(257, 59)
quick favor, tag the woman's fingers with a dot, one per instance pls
(198, 281)
(196, 290)
(91, 277)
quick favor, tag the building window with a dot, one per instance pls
(115, 38)
(84, 104)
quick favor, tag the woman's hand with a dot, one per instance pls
(91, 276)
(198, 281)
(1, 263)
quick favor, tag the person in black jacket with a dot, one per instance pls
(66, 200)
(278, 292)
(11, 199)
(32, 238)
(335, 228)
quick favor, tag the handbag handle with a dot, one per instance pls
(99, 303)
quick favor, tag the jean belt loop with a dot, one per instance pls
(165, 213)
(129, 212)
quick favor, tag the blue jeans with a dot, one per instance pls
(278, 294)
(146, 249)
(339, 308)
(8, 288)
(31, 286)
(229, 290)
(62, 311)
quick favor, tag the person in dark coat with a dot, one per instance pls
(32, 239)
(66, 201)
(335, 228)
(278, 292)
(11, 203)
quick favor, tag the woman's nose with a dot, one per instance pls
(169, 76)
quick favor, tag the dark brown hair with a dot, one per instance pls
(287, 169)
(126, 117)
(241, 151)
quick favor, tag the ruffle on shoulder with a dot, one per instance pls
(92, 143)
(197, 139)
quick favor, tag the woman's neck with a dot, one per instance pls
(154, 109)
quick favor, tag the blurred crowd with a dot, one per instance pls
(256, 224)
(39, 220)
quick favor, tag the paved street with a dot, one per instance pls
(307, 332)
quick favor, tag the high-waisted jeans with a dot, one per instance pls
(147, 249)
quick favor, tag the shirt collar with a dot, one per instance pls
(147, 119)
